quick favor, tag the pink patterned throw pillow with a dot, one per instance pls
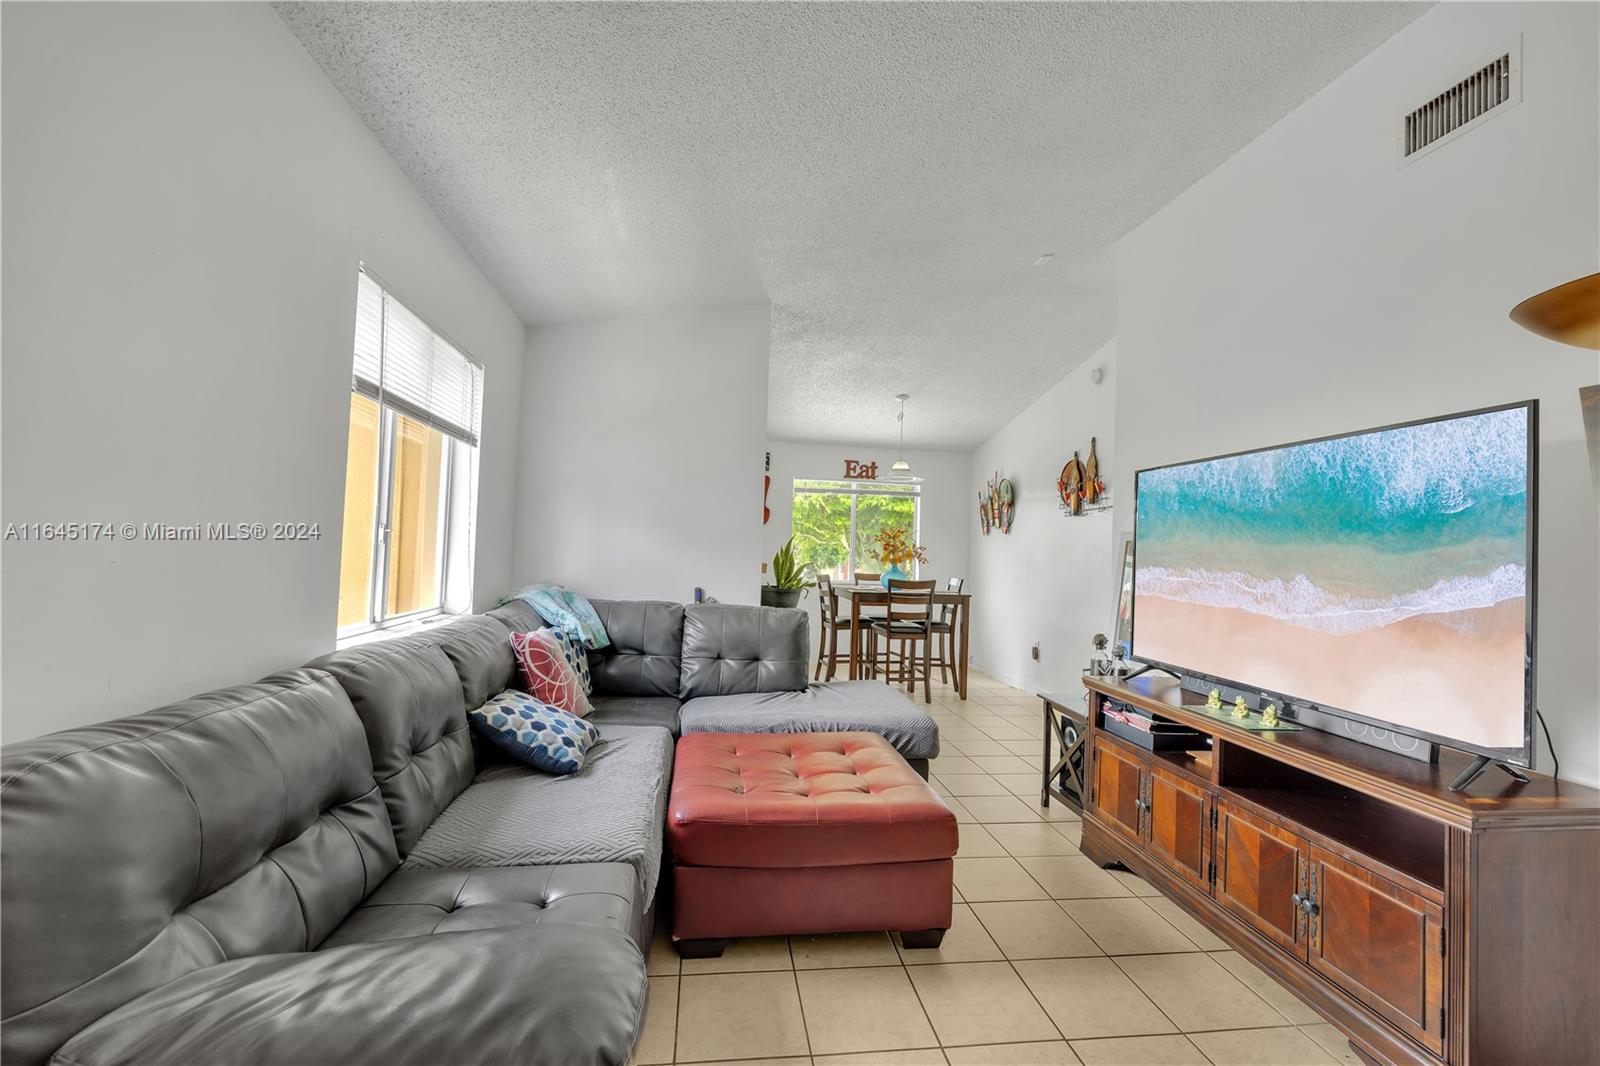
(546, 673)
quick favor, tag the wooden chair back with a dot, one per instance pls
(827, 599)
(862, 577)
(910, 601)
(946, 609)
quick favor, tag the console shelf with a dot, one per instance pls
(1431, 926)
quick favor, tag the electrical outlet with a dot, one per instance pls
(763, 568)
(1036, 651)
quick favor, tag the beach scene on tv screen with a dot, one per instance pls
(1384, 574)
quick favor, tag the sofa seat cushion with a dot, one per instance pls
(424, 902)
(610, 811)
(658, 711)
(539, 995)
(787, 801)
(834, 707)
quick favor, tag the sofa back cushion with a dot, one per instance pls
(241, 822)
(478, 649)
(409, 698)
(729, 649)
(517, 616)
(645, 654)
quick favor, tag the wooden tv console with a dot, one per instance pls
(1428, 925)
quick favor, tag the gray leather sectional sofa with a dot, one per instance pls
(324, 867)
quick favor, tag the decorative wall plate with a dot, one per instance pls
(1070, 485)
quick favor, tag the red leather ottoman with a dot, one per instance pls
(774, 833)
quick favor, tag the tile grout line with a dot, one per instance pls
(677, 1012)
(1012, 964)
(799, 997)
(938, 1040)
(1009, 962)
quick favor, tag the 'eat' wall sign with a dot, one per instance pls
(856, 470)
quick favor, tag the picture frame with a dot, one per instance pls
(1122, 625)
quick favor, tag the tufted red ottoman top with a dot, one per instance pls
(785, 800)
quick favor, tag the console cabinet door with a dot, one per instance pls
(1380, 942)
(1119, 787)
(1259, 873)
(1179, 817)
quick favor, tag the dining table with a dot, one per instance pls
(873, 594)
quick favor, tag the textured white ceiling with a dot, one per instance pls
(884, 173)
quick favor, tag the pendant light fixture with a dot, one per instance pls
(902, 469)
(1568, 313)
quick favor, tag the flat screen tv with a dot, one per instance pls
(1384, 576)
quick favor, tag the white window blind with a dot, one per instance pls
(401, 362)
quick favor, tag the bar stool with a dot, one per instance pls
(832, 625)
(944, 627)
(908, 618)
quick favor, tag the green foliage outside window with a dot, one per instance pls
(822, 529)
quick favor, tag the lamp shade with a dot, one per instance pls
(1568, 313)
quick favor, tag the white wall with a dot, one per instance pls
(642, 441)
(1309, 287)
(186, 198)
(1052, 578)
(944, 494)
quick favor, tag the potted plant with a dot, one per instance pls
(896, 552)
(789, 579)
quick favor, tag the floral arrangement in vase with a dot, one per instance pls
(896, 551)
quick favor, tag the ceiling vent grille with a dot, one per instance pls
(1496, 84)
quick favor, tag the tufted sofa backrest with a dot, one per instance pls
(241, 822)
(645, 654)
(479, 647)
(411, 704)
(517, 616)
(729, 649)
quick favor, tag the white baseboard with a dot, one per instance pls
(1014, 682)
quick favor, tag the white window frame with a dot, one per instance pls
(804, 486)
(383, 529)
(459, 459)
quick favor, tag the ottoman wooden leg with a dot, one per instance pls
(705, 949)
(922, 938)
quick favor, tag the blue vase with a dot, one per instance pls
(894, 573)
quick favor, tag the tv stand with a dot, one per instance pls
(1429, 925)
(1478, 766)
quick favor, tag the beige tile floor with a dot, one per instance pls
(1051, 960)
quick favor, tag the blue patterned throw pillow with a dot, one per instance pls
(536, 733)
(573, 652)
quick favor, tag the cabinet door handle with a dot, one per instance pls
(1298, 900)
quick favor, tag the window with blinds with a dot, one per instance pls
(403, 364)
(415, 406)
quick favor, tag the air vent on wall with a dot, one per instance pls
(1494, 86)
